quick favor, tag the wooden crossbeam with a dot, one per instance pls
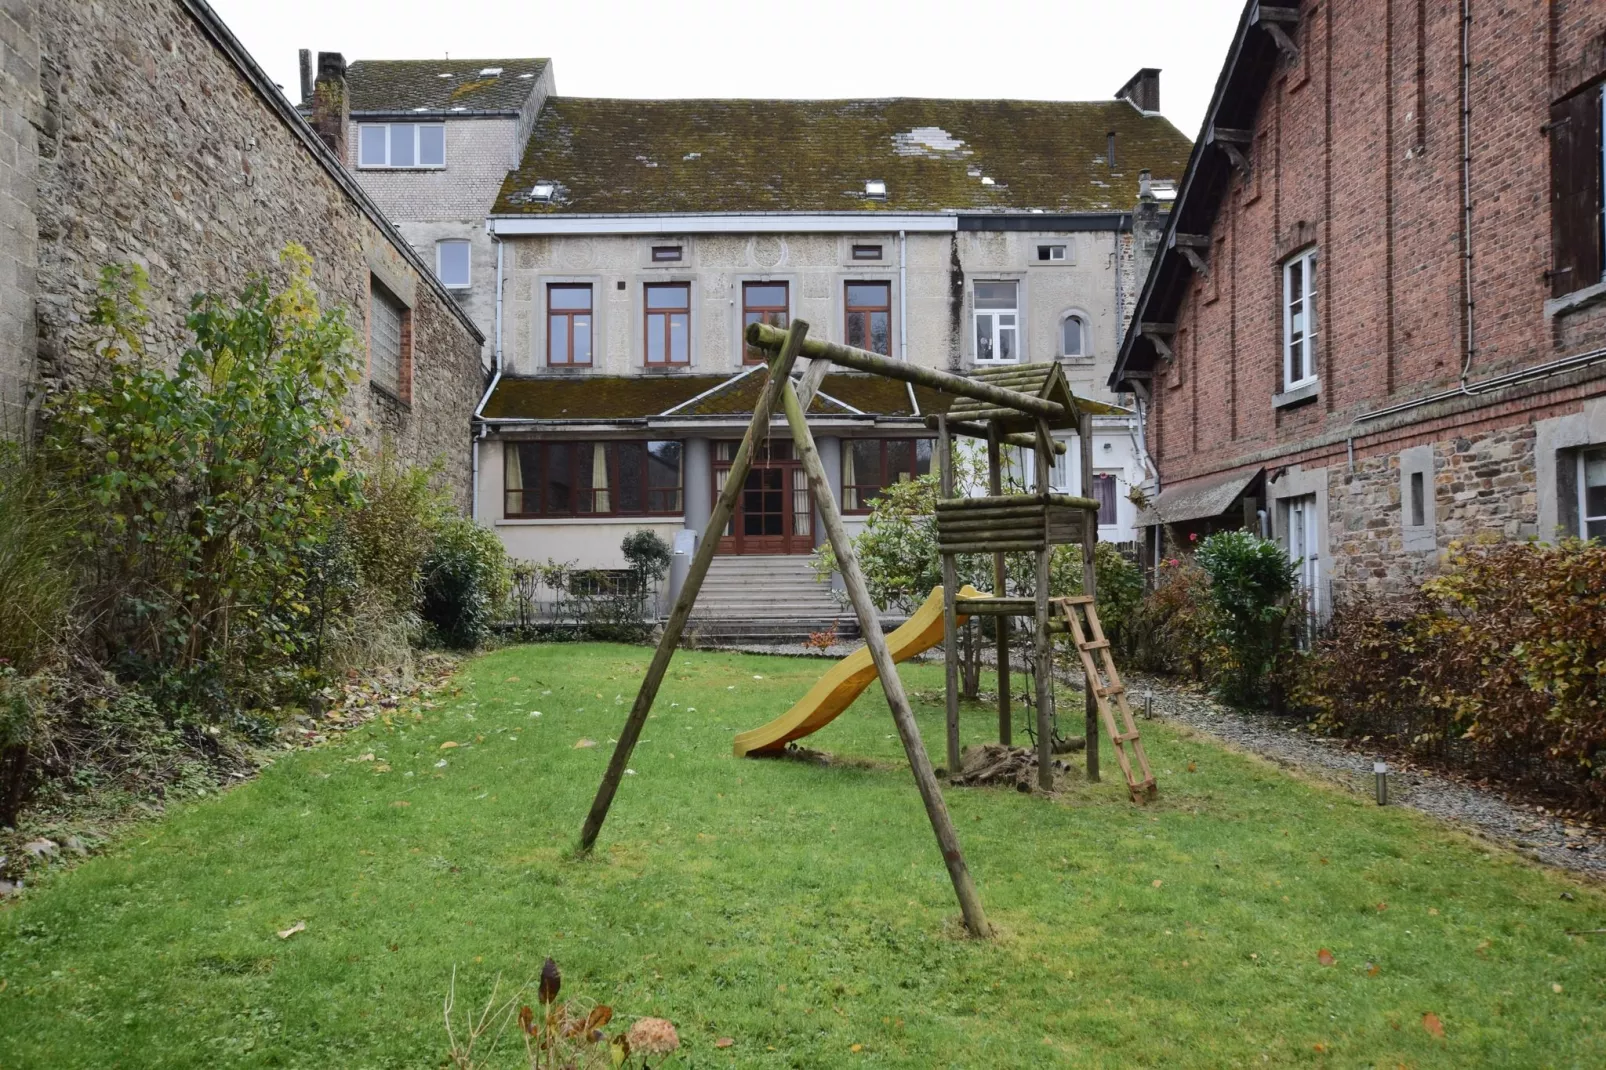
(771, 338)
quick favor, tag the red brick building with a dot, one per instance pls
(1378, 322)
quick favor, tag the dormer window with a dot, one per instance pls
(401, 145)
(875, 189)
(543, 191)
(666, 254)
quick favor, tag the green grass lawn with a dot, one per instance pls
(800, 909)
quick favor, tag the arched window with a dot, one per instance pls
(1074, 341)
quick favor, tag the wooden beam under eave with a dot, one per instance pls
(1272, 20)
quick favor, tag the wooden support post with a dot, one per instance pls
(870, 624)
(950, 591)
(995, 487)
(1045, 652)
(780, 374)
(1090, 534)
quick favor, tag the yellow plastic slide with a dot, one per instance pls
(848, 678)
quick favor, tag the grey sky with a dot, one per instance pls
(1029, 49)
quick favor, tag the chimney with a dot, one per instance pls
(1142, 90)
(331, 109)
(1145, 185)
(306, 76)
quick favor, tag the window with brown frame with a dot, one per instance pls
(867, 252)
(869, 316)
(870, 465)
(568, 479)
(762, 302)
(666, 254)
(390, 342)
(1577, 163)
(668, 323)
(568, 325)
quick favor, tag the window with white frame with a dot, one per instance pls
(451, 263)
(1073, 336)
(1299, 320)
(1592, 493)
(401, 145)
(997, 323)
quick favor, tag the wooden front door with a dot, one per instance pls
(774, 513)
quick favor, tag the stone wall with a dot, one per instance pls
(1478, 487)
(20, 112)
(163, 149)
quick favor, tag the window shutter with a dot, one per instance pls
(1575, 192)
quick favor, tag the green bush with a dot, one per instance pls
(1167, 630)
(1496, 666)
(210, 486)
(1251, 584)
(464, 581)
(648, 555)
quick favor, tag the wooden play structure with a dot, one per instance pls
(1017, 406)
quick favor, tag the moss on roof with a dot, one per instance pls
(593, 397)
(620, 156)
(398, 85)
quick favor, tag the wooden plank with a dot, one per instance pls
(1090, 534)
(1045, 650)
(968, 430)
(957, 519)
(995, 488)
(990, 547)
(870, 624)
(950, 591)
(995, 607)
(992, 501)
(780, 373)
(1013, 401)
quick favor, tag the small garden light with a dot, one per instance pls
(1380, 772)
(1148, 705)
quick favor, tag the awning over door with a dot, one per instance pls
(1198, 499)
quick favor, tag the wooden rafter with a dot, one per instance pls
(1272, 20)
(1189, 245)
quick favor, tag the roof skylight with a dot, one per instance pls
(444, 74)
(875, 189)
(543, 191)
(490, 72)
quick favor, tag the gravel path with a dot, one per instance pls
(1523, 826)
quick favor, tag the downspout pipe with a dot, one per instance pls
(496, 377)
(903, 299)
(1466, 192)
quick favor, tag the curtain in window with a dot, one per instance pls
(512, 480)
(850, 476)
(599, 478)
(802, 515)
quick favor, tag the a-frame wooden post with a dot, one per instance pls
(1090, 536)
(780, 374)
(950, 592)
(870, 625)
(995, 487)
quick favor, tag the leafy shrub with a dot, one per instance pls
(1167, 630)
(1251, 583)
(647, 554)
(1497, 665)
(209, 485)
(393, 525)
(464, 581)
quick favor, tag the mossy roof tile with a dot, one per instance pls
(403, 85)
(608, 156)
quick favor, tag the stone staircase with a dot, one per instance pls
(765, 599)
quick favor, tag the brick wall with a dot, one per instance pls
(160, 151)
(1357, 151)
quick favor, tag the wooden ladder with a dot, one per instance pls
(1106, 686)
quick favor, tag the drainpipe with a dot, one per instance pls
(479, 410)
(903, 300)
(1466, 187)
